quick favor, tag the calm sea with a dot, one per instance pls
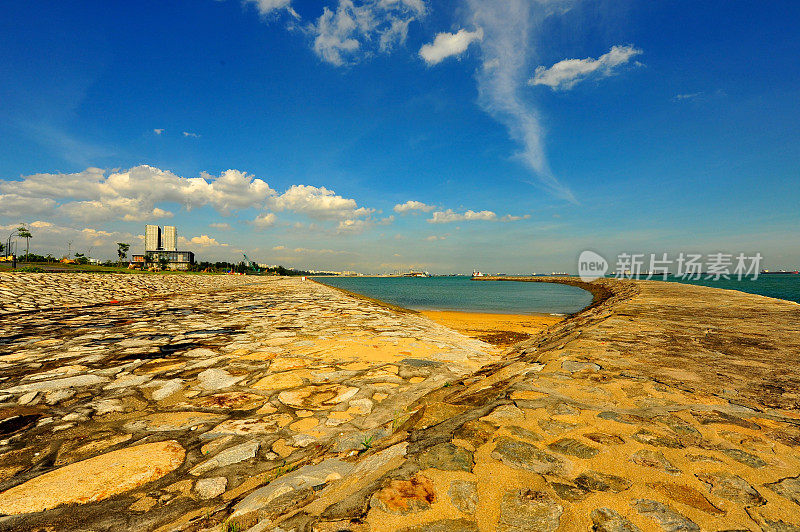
(460, 293)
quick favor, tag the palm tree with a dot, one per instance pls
(122, 251)
(23, 232)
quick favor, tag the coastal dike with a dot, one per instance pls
(283, 404)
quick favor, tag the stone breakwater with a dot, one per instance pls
(292, 406)
(25, 292)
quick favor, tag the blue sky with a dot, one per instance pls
(297, 131)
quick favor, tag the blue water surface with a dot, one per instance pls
(463, 294)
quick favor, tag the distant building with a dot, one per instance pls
(169, 239)
(163, 245)
(152, 238)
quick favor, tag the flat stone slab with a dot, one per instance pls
(94, 479)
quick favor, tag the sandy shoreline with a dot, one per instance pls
(497, 329)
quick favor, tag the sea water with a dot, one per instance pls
(460, 293)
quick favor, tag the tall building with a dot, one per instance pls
(152, 238)
(160, 245)
(169, 241)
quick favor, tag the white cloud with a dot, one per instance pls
(266, 7)
(511, 218)
(17, 206)
(443, 217)
(508, 27)
(434, 238)
(688, 96)
(448, 216)
(127, 209)
(448, 44)
(132, 194)
(203, 241)
(353, 226)
(412, 205)
(355, 30)
(147, 193)
(265, 220)
(317, 202)
(565, 74)
(158, 131)
(190, 134)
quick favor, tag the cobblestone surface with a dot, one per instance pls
(292, 406)
(21, 292)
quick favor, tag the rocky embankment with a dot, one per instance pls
(291, 406)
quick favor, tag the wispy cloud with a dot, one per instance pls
(222, 226)
(158, 131)
(688, 96)
(268, 7)
(355, 30)
(191, 135)
(567, 73)
(445, 45)
(508, 26)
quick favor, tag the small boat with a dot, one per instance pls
(476, 273)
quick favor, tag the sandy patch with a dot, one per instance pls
(496, 329)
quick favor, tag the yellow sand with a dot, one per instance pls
(498, 329)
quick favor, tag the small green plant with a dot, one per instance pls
(231, 526)
(279, 471)
(399, 419)
(367, 443)
(30, 269)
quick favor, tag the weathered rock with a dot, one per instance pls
(208, 488)
(232, 455)
(446, 525)
(475, 432)
(732, 487)
(553, 426)
(464, 495)
(686, 495)
(654, 459)
(562, 409)
(669, 519)
(447, 457)
(707, 418)
(309, 476)
(402, 497)
(657, 440)
(216, 379)
(573, 447)
(524, 433)
(231, 401)
(604, 438)
(597, 481)
(607, 520)
(629, 419)
(94, 479)
(744, 457)
(78, 381)
(317, 397)
(787, 487)
(523, 455)
(568, 492)
(579, 365)
(528, 510)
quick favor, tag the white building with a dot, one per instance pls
(152, 238)
(169, 241)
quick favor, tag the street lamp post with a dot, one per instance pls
(8, 248)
